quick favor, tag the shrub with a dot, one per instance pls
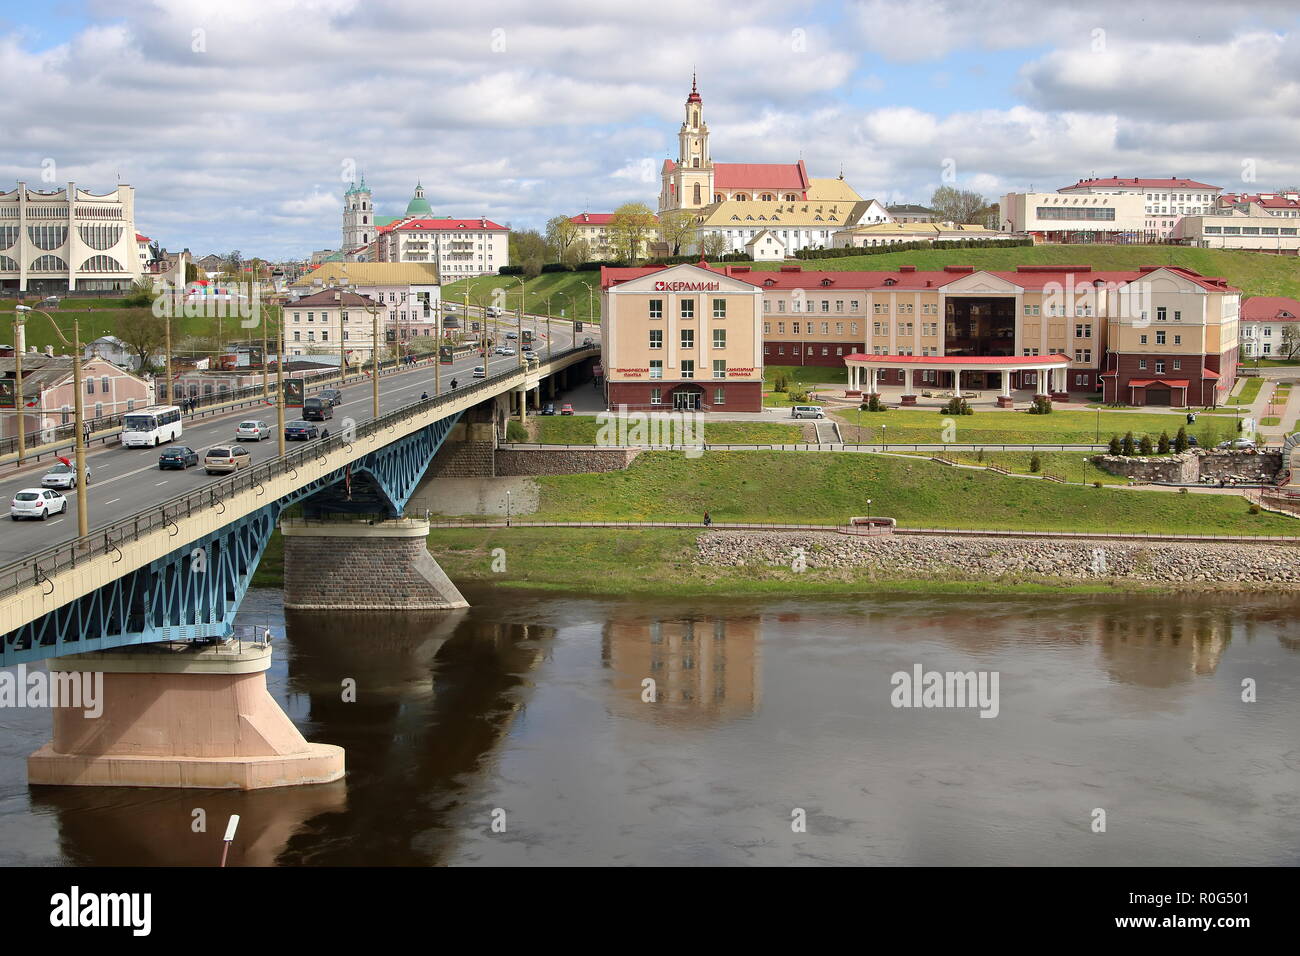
(1145, 447)
(874, 404)
(1254, 509)
(780, 382)
(1042, 406)
(1163, 446)
(1096, 484)
(1180, 441)
(1115, 448)
(515, 431)
(1183, 491)
(1127, 445)
(1035, 464)
(799, 396)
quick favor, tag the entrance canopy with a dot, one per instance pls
(1046, 365)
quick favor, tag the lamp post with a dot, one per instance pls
(374, 355)
(19, 406)
(507, 509)
(83, 520)
(279, 379)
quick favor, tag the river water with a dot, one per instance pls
(772, 739)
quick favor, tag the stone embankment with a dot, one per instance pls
(960, 558)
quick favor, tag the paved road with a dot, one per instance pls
(127, 480)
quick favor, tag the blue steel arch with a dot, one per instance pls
(195, 590)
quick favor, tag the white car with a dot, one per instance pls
(37, 503)
(253, 431)
(63, 476)
(493, 311)
(502, 350)
(480, 371)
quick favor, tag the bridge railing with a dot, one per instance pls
(36, 569)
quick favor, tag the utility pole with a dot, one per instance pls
(19, 406)
(279, 379)
(374, 357)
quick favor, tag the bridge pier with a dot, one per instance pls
(179, 715)
(363, 564)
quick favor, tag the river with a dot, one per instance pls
(516, 732)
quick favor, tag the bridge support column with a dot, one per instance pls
(363, 564)
(179, 715)
(521, 396)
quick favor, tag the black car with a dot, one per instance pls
(317, 409)
(332, 395)
(181, 458)
(548, 408)
(300, 431)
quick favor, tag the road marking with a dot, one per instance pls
(113, 502)
(163, 482)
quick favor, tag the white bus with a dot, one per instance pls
(151, 426)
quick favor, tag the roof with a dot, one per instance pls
(832, 190)
(368, 274)
(911, 209)
(1267, 200)
(992, 361)
(333, 297)
(908, 278)
(1143, 183)
(824, 214)
(596, 218)
(760, 176)
(140, 238)
(453, 225)
(1270, 308)
(931, 228)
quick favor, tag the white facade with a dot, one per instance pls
(806, 224)
(68, 239)
(459, 247)
(766, 247)
(1165, 201)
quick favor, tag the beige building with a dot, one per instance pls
(1164, 201)
(332, 323)
(1242, 226)
(596, 229)
(891, 233)
(1066, 217)
(802, 224)
(681, 337)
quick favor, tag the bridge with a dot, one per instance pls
(148, 600)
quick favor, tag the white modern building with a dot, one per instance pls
(68, 240)
(1264, 322)
(1165, 201)
(1108, 210)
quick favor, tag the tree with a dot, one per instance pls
(579, 251)
(1144, 446)
(1290, 340)
(677, 228)
(1128, 445)
(1180, 441)
(713, 246)
(143, 333)
(958, 205)
(528, 249)
(1163, 445)
(630, 227)
(1115, 449)
(561, 233)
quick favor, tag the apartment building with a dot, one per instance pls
(1265, 320)
(408, 293)
(1156, 335)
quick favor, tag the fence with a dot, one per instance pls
(37, 568)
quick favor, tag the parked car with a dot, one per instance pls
(332, 395)
(588, 341)
(317, 409)
(37, 503)
(1191, 440)
(178, 457)
(480, 371)
(1236, 444)
(300, 431)
(566, 409)
(502, 350)
(548, 408)
(63, 475)
(222, 459)
(493, 311)
(807, 411)
(511, 335)
(252, 430)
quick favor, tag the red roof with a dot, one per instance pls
(1270, 308)
(1144, 183)
(459, 225)
(760, 176)
(140, 238)
(1140, 382)
(907, 279)
(595, 219)
(1266, 200)
(1171, 382)
(929, 361)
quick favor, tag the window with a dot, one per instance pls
(311, 316)
(297, 336)
(1178, 316)
(688, 308)
(1142, 365)
(656, 368)
(325, 335)
(767, 328)
(719, 396)
(719, 368)
(1083, 331)
(719, 308)
(656, 308)
(656, 338)
(103, 384)
(780, 328)
(297, 316)
(780, 306)
(90, 388)
(1178, 340)
(1083, 355)
(1162, 314)
(1160, 337)
(1160, 368)
(688, 368)
(1178, 364)
(1142, 339)
(719, 338)
(656, 397)
(688, 339)
(794, 327)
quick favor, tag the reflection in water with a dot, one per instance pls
(533, 704)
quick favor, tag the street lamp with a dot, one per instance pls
(83, 520)
(507, 509)
(279, 378)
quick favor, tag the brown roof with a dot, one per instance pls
(333, 297)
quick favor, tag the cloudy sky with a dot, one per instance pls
(240, 122)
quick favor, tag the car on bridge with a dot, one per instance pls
(333, 395)
(480, 371)
(37, 503)
(300, 431)
(511, 335)
(180, 457)
(503, 350)
(252, 430)
(317, 409)
(63, 475)
(223, 459)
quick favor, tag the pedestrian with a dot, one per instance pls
(708, 520)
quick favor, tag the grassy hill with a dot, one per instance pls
(1255, 273)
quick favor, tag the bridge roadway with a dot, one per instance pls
(125, 481)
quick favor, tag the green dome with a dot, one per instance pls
(419, 206)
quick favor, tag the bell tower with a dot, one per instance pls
(689, 185)
(358, 217)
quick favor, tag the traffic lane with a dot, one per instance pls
(125, 481)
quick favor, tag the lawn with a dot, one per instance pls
(807, 374)
(1070, 465)
(1269, 421)
(926, 426)
(827, 488)
(1249, 392)
(583, 430)
(99, 317)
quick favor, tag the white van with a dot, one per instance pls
(807, 411)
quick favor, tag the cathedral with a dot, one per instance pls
(694, 180)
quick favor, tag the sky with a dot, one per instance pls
(240, 123)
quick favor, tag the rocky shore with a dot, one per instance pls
(963, 558)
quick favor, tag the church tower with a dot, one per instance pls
(689, 183)
(358, 217)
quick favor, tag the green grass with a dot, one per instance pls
(826, 488)
(1249, 392)
(583, 430)
(807, 374)
(925, 426)
(1070, 465)
(103, 318)
(1269, 421)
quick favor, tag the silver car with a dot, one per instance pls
(63, 476)
(37, 503)
(253, 431)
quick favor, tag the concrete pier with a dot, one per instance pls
(180, 715)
